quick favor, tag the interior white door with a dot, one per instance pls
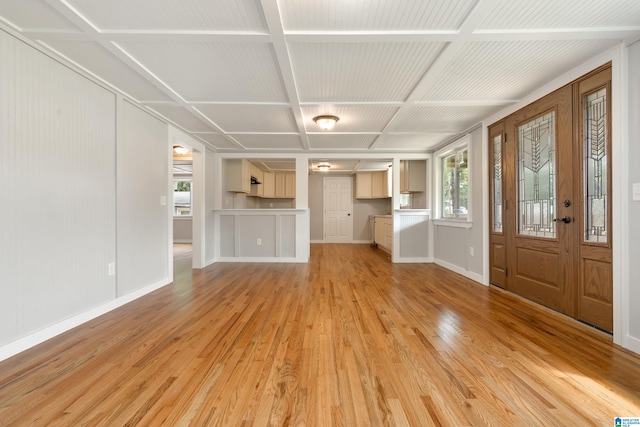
(338, 209)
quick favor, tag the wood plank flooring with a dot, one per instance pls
(346, 340)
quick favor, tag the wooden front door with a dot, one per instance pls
(549, 239)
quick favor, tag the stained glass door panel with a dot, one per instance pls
(595, 254)
(536, 177)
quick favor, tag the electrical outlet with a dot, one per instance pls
(163, 200)
(259, 242)
(471, 250)
(112, 269)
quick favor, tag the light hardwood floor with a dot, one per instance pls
(346, 340)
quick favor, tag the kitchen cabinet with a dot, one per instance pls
(380, 185)
(238, 175)
(268, 185)
(285, 185)
(383, 232)
(413, 176)
(373, 185)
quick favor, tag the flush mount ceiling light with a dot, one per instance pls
(180, 150)
(324, 166)
(326, 122)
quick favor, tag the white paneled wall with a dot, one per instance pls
(82, 172)
(142, 218)
(57, 220)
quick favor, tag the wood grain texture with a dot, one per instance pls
(346, 340)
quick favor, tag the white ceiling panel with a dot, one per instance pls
(250, 118)
(442, 118)
(338, 142)
(97, 60)
(510, 14)
(374, 14)
(402, 75)
(410, 142)
(29, 15)
(217, 141)
(220, 71)
(182, 117)
(195, 15)
(509, 70)
(374, 165)
(353, 118)
(269, 142)
(328, 72)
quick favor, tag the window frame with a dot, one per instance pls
(173, 201)
(460, 144)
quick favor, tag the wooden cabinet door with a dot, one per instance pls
(268, 185)
(363, 185)
(377, 185)
(290, 185)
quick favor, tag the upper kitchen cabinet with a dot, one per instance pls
(285, 185)
(413, 176)
(238, 175)
(260, 178)
(373, 185)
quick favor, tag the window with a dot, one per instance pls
(182, 196)
(455, 183)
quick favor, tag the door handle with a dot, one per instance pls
(565, 219)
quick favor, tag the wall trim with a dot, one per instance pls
(461, 271)
(263, 260)
(632, 343)
(38, 337)
(421, 260)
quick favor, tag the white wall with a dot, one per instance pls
(63, 188)
(452, 240)
(142, 218)
(57, 169)
(631, 293)
(182, 229)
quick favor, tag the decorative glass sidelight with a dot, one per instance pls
(595, 170)
(497, 184)
(536, 177)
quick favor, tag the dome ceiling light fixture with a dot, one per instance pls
(323, 166)
(326, 122)
(180, 150)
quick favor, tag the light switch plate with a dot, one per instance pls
(636, 192)
(163, 200)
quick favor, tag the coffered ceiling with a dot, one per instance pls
(250, 75)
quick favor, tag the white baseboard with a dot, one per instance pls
(632, 343)
(468, 274)
(182, 241)
(264, 260)
(425, 260)
(355, 242)
(31, 340)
